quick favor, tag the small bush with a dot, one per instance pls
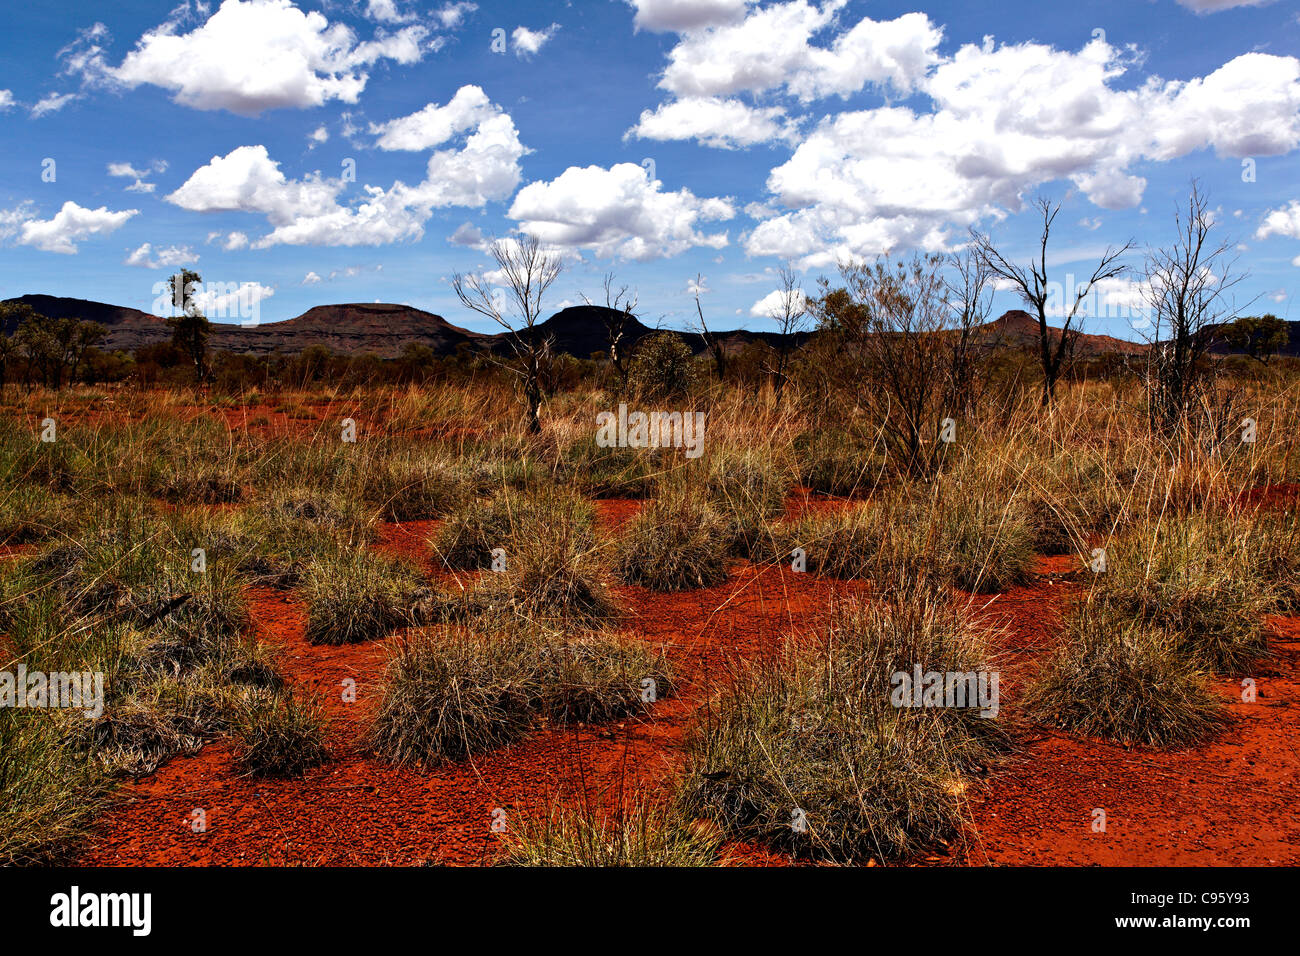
(840, 544)
(277, 540)
(448, 693)
(357, 595)
(814, 740)
(202, 484)
(553, 566)
(278, 735)
(674, 543)
(867, 782)
(1276, 546)
(1119, 679)
(593, 678)
(662, 366)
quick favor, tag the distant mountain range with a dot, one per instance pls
(385, 329)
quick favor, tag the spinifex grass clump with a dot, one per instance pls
(547, 563)
(612, 471)
(172, 642)
(887, 540)
(841, 543)
(641, 833)
(1275, 542)
(982, 545)
(138, 570)
(1071, 495)
(278, 734)
(50, 788)
(554, 567)
(156, 711)
(449, 693)
(183, 462)
(130, 563)
(355, 594)
(1124, 680)
(156, 720)
(315, 511)
(834, 461)
(597, 677)
(1197, 578)
(404, 487)
(59, 466)
(273, 541)
(810, 752)
(747, 488)
(30, 513)
(677, 541)
(917, 625)
(473, 531)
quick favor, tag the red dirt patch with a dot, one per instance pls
(1229, 802)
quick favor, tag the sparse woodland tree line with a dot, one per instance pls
(897, 340)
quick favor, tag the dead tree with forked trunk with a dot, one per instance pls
(1034, 288)
(527, 269)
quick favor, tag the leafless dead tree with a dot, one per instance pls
(527, 269)
(1189, 287)
(711, 341)
(791, 316)
(1034, 288)
(969, 288)
(619, 317)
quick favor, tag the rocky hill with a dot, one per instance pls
(384, 329)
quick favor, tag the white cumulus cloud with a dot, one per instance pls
(315, 210)
(1003, 121)
(682, 15)
(147, 258)
(434, 125)
(528, 42)
(772, 48)
(70, 225)
(715, 121)
(251, 56)
(1281, 222)
(774, 303)
(619, 212)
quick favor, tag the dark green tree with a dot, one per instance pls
(191, 329)
(1260, 337)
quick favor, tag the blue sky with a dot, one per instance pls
(659, 139)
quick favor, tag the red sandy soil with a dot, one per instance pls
(1228, 802)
